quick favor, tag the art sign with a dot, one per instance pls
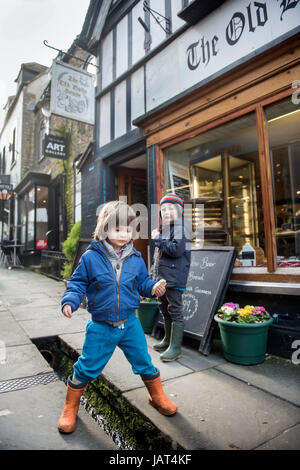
(55, 146)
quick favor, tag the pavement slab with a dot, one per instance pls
(287, 440)
(74, 340)
(220, 413)
(22, 299)
(50, 327)
(11, 333)
(28, 421)
(22, 361)
(36, 312)
(276, 375)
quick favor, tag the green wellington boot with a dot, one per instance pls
(164, 344)
(174, 350)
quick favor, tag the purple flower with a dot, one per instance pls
(258, 311)
(231, 305)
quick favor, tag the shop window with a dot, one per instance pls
(41, 213)
(23, 219)
(30, 202)
(283, 121)
(4, 220)
(33, 217)
(218, 174)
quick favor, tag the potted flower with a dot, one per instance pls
(244, 332)
(146, 313)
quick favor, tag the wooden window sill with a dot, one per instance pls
(289, 274)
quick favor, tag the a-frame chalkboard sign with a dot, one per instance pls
(208, 280)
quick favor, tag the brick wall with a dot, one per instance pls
(78, 137)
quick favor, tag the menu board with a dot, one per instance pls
(208, 280)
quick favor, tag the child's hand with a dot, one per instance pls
(160, 288)
(154, 233)
(159, 291)
(67, 311)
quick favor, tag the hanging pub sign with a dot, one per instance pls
(55, 146)
(72, 93)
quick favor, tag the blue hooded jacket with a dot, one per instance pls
(108, 300)
(174, 246)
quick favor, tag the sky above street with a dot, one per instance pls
(24, 24)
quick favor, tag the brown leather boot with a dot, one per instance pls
(67, 420)
(158, 399)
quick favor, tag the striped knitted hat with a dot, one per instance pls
(173, 199)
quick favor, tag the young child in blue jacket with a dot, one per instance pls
(113, 276)
(171, 261)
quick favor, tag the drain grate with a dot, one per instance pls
(26, 382)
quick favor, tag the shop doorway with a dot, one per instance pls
(56, 232)
(132, 183)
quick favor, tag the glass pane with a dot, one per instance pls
(22, 209)
(220, 170)
(5, 221)
(243, 202)
(284, 139)
(41, 213)
(30, 217)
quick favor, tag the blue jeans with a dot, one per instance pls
(101, 339)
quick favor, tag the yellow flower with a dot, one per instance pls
(243, 312)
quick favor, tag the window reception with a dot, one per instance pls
(283, 120)
(220, 170)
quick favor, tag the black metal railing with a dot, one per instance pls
(52, 263)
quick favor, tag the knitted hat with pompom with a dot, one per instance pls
(173, 199)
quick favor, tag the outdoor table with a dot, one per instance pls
(16, 260)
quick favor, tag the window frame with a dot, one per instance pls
(265, 175)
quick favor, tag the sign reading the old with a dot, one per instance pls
(72, 93)
(227, 37)
(55, 147)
